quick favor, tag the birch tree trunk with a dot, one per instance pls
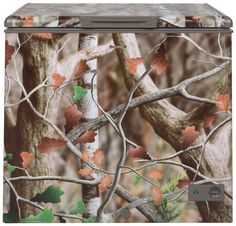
(90, 111)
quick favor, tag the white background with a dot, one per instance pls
(9, 6)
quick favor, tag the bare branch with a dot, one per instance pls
(57, 178)
(67, 65)
(203, 50)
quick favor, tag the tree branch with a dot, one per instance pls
(67, 65)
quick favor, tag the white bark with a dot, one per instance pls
(90, 111)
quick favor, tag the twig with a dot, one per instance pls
(171, 196)
(57, 178)
(124, 147)
(201, 49)
(19, 198)
(219, 44)
(107, 115)
(144, 99)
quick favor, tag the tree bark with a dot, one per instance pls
(39, 61)
(168, 122)
(90, 193)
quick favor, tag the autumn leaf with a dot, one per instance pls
(5, 170)
(27, 20)
(183, 183)
(155, 174)
(105, 183)
(81, 68)
(223, 102)
(85, 155)
(189, 135)
(27, 158)
(157, 194)
(159, 61)
(45, 36)
(133, 63)
(72, 116)
(98, 157)
(87, 137)
(208, 120)
(79, 93)
(50, 144)
(85, 172)
(57, 80)
(9, 50)
(139, 152)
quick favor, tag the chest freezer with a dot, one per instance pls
(117, 113)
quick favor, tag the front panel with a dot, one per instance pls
(117, 127)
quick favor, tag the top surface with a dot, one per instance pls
(164, 15)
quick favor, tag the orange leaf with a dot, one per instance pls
(5, 170)
(98, 157)
(155, 174)
(81, 67)
(27, 158)
(50, 144)
(223, 102)
(85, 172)
(87, 137)
(85, 155)
(208, 120)
(9, 50)
(72, 116)
(46, 36)
(27, 20)
(189, 136)
(159, 61)
(105, 183)
(183, 183)
(157, 194)
(133, 64)
(57, 80)
(139, 152)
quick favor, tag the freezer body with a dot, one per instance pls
(118, 113)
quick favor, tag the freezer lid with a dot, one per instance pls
(118, 16)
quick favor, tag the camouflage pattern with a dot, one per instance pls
(165, 15)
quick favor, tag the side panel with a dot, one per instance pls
(134, 118)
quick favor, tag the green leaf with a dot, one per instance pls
(79, 208)
(10, 168)
(45, 216)
(88, 220)
(51, 194)
(172, 184)
(8, 157)
(79, 93)
(137, 179)
(9, 217)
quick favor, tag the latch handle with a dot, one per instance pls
(117, 22)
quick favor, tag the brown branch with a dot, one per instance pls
(171, 196)
(167, 122)
(145, 209)
(147, 99)
(67, 65)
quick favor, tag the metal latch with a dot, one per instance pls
(117, 22)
